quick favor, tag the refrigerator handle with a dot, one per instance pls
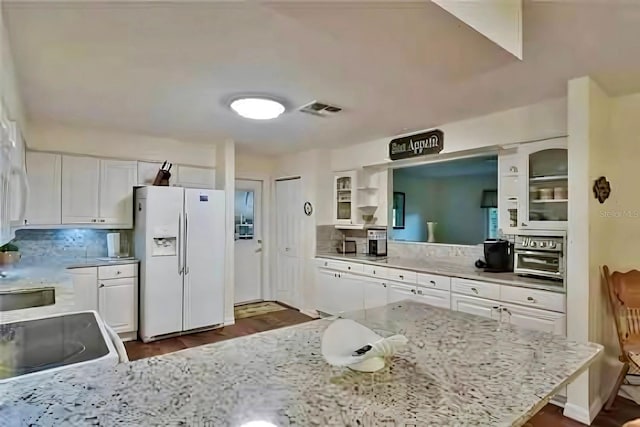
(179, 244)
(186, 233)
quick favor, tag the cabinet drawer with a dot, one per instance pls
(340, 265)
(534, 298)
(117, 271)
(376, 271)
(476, 289)
(104, 283)
(401, 275)
(432, 281)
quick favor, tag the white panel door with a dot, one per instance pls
(160, 220)
(248, 241)
(80, 190)
(288, 230)
(204, 247)
(538, 320)
(117, 179)
(44, 173)
(194, 177)
(478, 306)
(117, 303)
(375, 293)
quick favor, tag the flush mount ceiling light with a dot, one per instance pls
(257, 108)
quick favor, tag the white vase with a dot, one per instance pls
(431, 237)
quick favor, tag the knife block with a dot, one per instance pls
(162, 178)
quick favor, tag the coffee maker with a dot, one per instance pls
(377, 241)
(498, 255)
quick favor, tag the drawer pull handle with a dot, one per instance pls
(384, 284)
(495, 307)
(532, 299)
(374, 272)
(118, 272)
(101, 285)
(326, 264)
(433, 282)
(474, 290)
(348, 268)
(401, 276)
(413, 291)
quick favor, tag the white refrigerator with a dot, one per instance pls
(180, 241)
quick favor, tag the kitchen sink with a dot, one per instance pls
(27, 298)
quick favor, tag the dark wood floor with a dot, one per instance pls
(550, 416)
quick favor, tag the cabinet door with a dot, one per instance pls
(509, 171)
(117, 304)
(85, 288)
(538, 320)
(327, 291)
(117, 179)
(344, 198)
(375, 293)
(351, 292)
(80, 190)
(193, 177)
(478, 306)
(44, 172)
(434, 297)
(398, 292)
(543, 199)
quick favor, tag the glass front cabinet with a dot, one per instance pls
(344, 198)
(544, 197)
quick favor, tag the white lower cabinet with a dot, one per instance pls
(538, 320)
(112, 291)
(434, 297)
(117, 302)
(398, 291)
(338, 292)
(477, 306)
(375, 293)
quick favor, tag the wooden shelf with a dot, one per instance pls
(548, 178)
(550, 201)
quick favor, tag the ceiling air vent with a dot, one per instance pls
(320, 109)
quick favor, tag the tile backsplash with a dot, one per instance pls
(328, 238)
(67, 243)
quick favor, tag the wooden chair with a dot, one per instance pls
(624, 296)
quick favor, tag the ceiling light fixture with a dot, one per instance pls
(257, 108)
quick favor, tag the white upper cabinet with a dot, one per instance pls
(544, 190)
(44, 174)
(80, 190)
(345, 198)
(509, 166)
(194, 177)
(117, 179)
(98, 191)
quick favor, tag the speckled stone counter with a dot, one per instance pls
(453, 269)
(457, 369)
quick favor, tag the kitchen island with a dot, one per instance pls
(458, 369)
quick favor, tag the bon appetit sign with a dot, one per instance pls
(421, 144)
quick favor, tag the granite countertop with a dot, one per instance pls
(37, 273)
(453, 269)
(458, 369)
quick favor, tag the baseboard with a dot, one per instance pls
(311, 313)
(580, 414)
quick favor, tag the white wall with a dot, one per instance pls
(250, 166)
(225, 180)
(9, 91)
(117, 144)
(601, 143)
(533, 122)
